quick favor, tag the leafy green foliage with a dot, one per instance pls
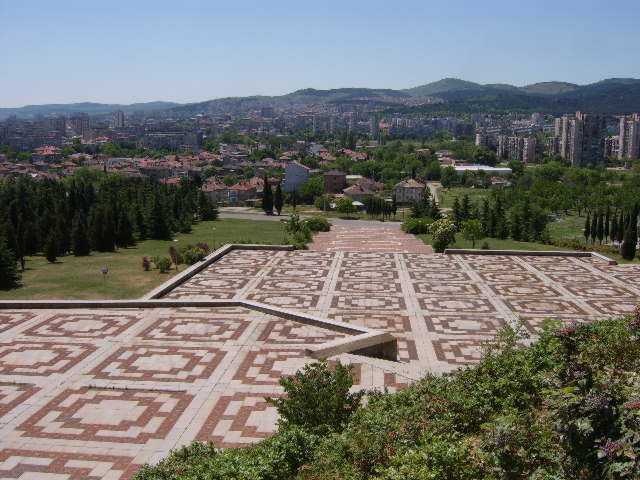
(416, 226)
(9, 275)
(318, 224)
(443, 232)
(163, 264)
(191, 255)
(318, 398)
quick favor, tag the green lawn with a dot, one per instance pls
(81, 278)
(447, 196)
(569, 227)
(494, 244)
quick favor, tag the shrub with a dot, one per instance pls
(163, 264)
(155, 259)
(146, 264)
(193, 255)
(485, 246)
(345, 205)
(175, 256)
(204, 246)
(443, 232)
(416, 226)
(318, 224)
(318, 397)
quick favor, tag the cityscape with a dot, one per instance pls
(227, 253)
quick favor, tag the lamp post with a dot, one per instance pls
(104, 271)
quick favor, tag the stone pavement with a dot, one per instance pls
(378, 239)
(93, 394)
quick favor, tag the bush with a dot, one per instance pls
(192, 255)
(416, 226)
(443, 232)
(146, 264)
(485, 246)
(345, 205)
(318, 398)
(163, 264)
(318, 224)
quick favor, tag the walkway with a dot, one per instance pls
(379, 239)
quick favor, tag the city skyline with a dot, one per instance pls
(147, 52)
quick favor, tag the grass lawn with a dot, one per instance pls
(78, 278)
(447, 196)
(569, 227)
(494, 244)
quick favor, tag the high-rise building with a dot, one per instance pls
(79, 123)
(629, 139)
(118, 119)
(374, 127)
(582, 138)
(517, 148)
(612, 146)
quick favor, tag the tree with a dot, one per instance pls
(630, 240)
(600, 228)
(79, 237)
(267, 197)
(443, 233)
(278, 199)
(51, 246)
(207, 209)
(587, 228)
(318, 398)
(9, 276)
(613, 229)
(449, 177)
(472, 230)
(158, 225)
(311, 189)
(124, 234)
(484, 156)
(456, 214)
(345, 205)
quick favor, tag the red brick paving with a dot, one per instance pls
(387, 239)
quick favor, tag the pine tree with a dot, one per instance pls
(9, 276)
(52, 246)
(267, 198)
(456, 214)
(613, 229)
(64, 236)
(600, 231)
(594, 227)
(587, 228)
(516, 227)
(278, 200)
(124, 234)
(435, 213)
(630, 240)
(95, 228)
(207, 211)
(109, 231)
(394, 205)
(607, 221)
(465, 208)
(158, 224)
(79, 238)
(621, 227)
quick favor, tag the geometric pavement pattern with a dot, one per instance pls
(95, 394)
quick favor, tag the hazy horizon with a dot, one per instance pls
(137, 52)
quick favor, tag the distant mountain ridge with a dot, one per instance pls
(613, 95)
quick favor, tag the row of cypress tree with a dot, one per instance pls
(94, 211)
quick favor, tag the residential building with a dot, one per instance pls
(118, 119)
(553, 146)
(582, 138)
(517, 148)
(612, 146)
(629, 139)
(295, 174)
(358, 192)
(409, 191)
(374, 127)
(334, 181)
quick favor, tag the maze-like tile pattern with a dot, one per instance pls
(84, 325)
(160, 364)
(95, 393)
(41, 358)
(20, 464)
(107, 415)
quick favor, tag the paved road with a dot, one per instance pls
(334, 221)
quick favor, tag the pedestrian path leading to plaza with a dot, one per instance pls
(379, 239)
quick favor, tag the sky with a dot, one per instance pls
(188, 50)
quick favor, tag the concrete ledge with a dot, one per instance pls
(185, 275)
(374, 344)
(362, 340)
(529, 253)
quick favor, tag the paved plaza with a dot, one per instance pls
(94, 394)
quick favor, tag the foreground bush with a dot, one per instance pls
(566, 407)
(318, 224)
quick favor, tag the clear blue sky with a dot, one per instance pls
(186, 50)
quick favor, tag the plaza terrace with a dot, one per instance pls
(95, 390)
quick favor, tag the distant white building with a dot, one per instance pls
(493, 171)
(408, 191)
(295, 174)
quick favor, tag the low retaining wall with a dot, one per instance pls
(532, 253)
(362, 340)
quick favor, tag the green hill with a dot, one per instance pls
(566, 407)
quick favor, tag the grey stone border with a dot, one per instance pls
(533, 253)
(185, 275)
(363, 341)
